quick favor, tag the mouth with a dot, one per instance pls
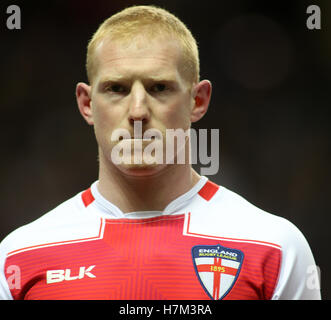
(147, 136)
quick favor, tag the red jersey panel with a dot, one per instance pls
(141, 259)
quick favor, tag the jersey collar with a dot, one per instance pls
(110, 210)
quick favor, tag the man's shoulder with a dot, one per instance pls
(228, 214)
(231, 205)
(237, 223)
(45, 228)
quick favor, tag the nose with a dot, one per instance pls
(138, 109)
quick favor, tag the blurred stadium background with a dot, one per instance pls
(271, 101)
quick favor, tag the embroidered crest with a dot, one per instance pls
(217, 268)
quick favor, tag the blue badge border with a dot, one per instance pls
(197, 273)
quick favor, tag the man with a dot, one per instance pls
(152, 229)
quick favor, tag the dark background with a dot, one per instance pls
(271, 102)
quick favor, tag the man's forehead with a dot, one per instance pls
(138, 48)
(156, 57)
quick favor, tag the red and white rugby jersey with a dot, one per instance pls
(209, 243)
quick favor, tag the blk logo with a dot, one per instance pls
(53, 276)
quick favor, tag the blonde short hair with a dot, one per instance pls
(150, 21)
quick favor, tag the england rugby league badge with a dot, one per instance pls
(217, 268)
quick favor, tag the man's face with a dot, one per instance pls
(140, 82)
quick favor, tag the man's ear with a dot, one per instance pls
(202, 94)
(83, 97)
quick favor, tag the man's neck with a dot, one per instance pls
(145, 193)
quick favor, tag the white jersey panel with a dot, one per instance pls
(68, 222)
